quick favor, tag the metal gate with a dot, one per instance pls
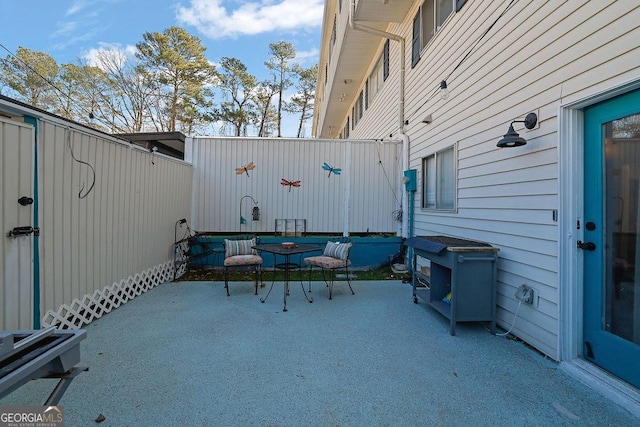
(16, 217)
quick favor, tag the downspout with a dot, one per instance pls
(404, 137)
(405, 195)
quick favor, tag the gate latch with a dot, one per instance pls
(23, 231)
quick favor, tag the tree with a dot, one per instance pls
(129, 99)
(82, 93)
(238, 86)
(192, 114)
(68, 83)
(302, 102)
(281, 53)
(267, 115)
(175, 59)
(31, 75)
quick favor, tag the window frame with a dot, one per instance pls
(334, 36)
(420, 39)
(354, 120)
(366, 94)
(415, 41)
(385, 69)
(438, 204)
(376, 79)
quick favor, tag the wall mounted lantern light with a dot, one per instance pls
(511, 138)
(255, 212)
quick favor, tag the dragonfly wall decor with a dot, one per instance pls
(328, 167)
(245, 169)
(285, 183)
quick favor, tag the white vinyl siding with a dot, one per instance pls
(427, 22)
(381, 118)
(539, 56)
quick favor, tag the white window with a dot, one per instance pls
(428, 21)
(376, 79)
(345, 131)
(357, 110)
(334, 32)
(439, 180)
(379, 73)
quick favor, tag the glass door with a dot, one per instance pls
(610, 247)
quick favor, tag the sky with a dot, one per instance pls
(69, 30)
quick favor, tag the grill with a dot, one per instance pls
(30, 355)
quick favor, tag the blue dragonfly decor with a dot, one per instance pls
(328, 167)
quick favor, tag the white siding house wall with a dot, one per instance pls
(540, 56)
(381, 119)
(98, 251)
(367, 186)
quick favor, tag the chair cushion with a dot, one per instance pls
(242, 260)
(239, 247)
(337, 250)
(327, 262)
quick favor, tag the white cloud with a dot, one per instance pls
(76, 7)
(80, 5)
(215, 20)
(313, 53)
(81, 24)
(308, 56)
(68, 38)
(64, 29)
(115, 52)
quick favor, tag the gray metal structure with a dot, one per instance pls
(47, 353)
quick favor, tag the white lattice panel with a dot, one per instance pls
(79, 313)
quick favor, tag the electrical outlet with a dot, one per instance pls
(525, 294)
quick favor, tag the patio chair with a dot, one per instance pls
(334, 258)
(239, 253)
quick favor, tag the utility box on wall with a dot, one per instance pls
(410, 180)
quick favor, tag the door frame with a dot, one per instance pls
(570, 260)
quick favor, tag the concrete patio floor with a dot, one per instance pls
(186, 354)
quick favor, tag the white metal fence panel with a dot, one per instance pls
(107, 215)
(16, 268)
(362, 197)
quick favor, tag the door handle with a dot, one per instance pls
(586, 246)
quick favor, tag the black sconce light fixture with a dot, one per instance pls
(511, 138)
(255, 213)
